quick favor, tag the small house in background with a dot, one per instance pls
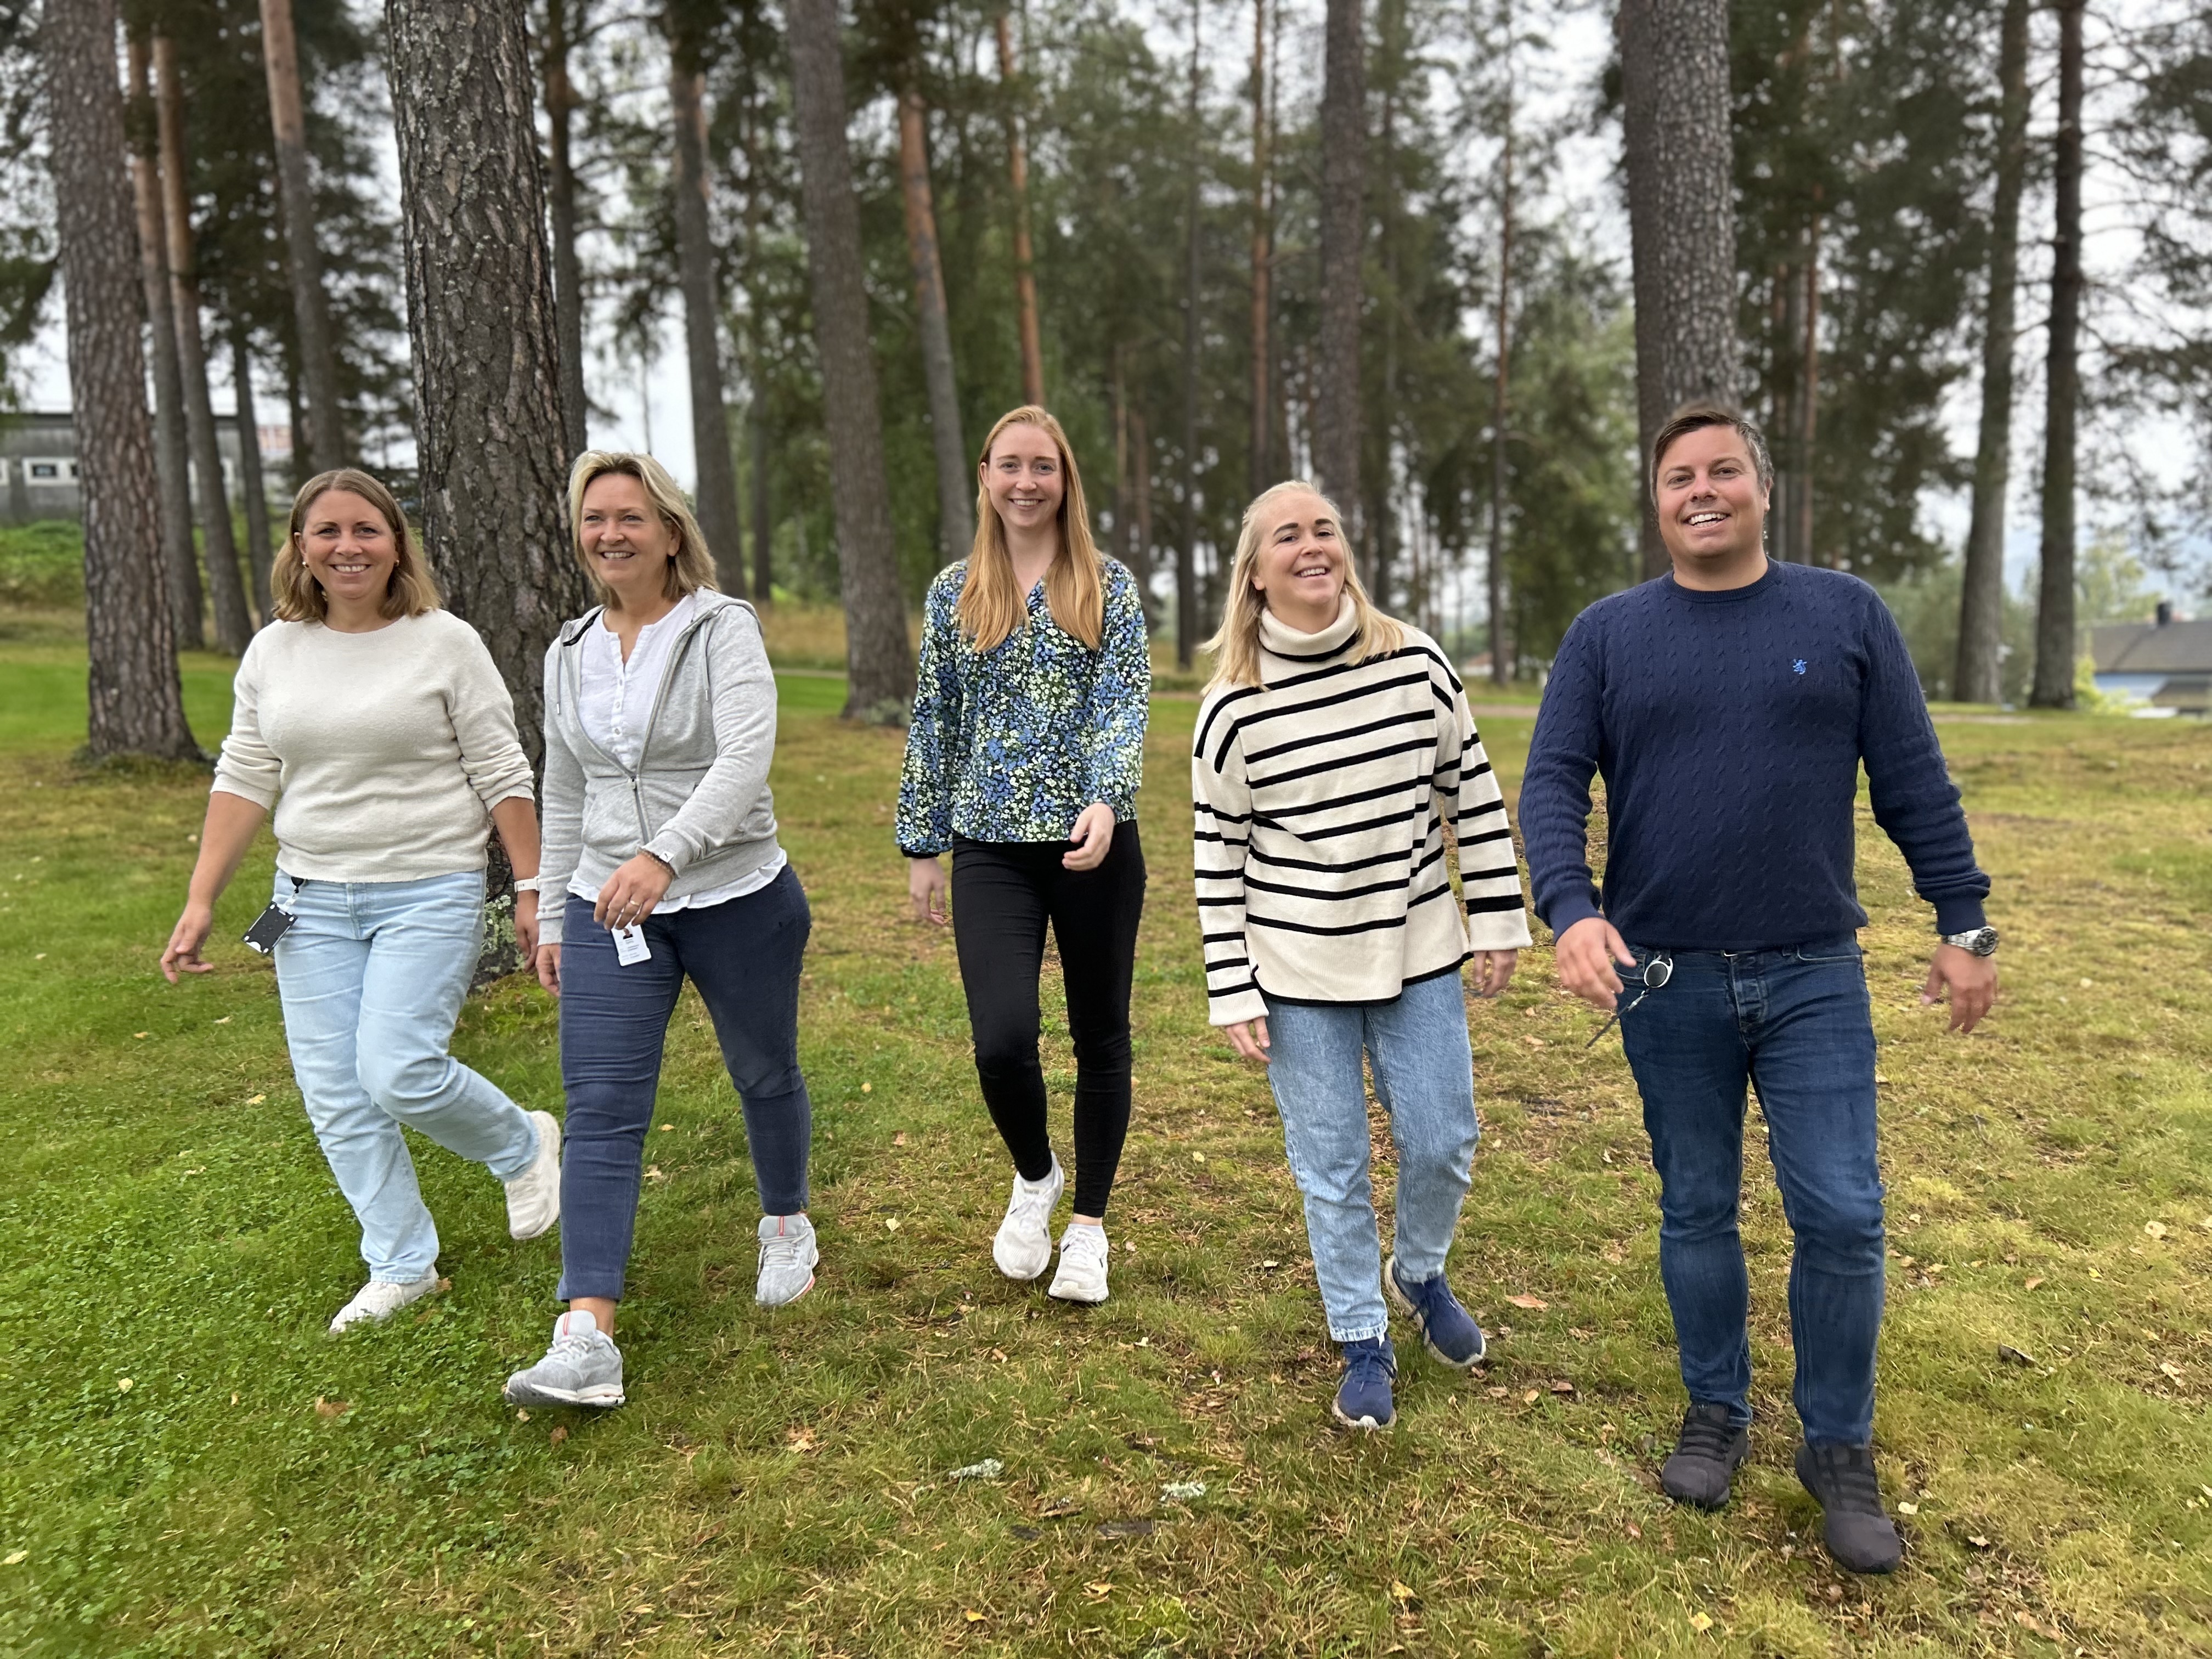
(2164, 665)
(38, 463)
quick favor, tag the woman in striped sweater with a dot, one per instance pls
(1333, 745)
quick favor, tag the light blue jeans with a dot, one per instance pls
(1425, 1077)
(372, 977)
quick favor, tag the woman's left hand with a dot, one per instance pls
(1092, 839)
(630, 893)
(1493, 971)
(525, 924)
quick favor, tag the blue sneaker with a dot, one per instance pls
(1448, 1330)
(1363, 1398)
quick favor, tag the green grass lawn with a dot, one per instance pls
(190, 1466)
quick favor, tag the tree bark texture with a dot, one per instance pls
(1336, 424)
(1140, 544)
(233, 623)
(1501, 659)
(879, 656)
(252, 484)
(1979, 676)
(1263, 467)
(1682, 214)
(756, 375)
(486, 355)
(1017, 166)
(135, 700)
(171, 443)
(1188, 625)
(327, 444)
(2055, 639)
(719, 520)
(560, 204)
(956, 484)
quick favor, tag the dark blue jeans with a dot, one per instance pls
(744, 957)
(1797, 1024)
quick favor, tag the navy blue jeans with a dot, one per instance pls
(1795, 1025)
(744, 957)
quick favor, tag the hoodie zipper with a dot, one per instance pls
(637, 777)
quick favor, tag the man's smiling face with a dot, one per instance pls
(1712, 510)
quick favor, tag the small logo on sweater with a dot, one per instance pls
(1798, 667)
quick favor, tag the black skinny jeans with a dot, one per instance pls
(1003, 893)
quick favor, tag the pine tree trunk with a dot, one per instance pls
(327, 444)
(756, 404)
(2055, 639)
(233, 623)
(561, 202)
(763, 528)
(1188, 624)
(1140, 539)
(1018, 166)
(878, 655)
(251, 485)
(135, 699)
(171, 446)
(486, 352)
(955, 485)
(1501, 660)
(1263, 465)
(1682, 214)
(1808, 420)
(1335, 417)
(1980, 674)
(719, 521)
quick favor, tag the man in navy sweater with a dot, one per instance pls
(1729, 706)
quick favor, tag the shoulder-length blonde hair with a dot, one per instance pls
(296, 596)
(991, 607)
(1236, 644)
(692, 566)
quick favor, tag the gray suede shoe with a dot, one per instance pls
(787, 1261)
(582, 1368)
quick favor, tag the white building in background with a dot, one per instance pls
(38, 465)
(2164, 665)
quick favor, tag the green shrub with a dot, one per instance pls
(42, 563)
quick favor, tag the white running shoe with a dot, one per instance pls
(381, 1299)
(582, 1368)
(787, 1260)
(1084, 1254)
(1022, 1248)
(533, 1198)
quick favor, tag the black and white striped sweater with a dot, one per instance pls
(1320, 797)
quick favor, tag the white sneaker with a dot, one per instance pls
(381, 1299)
(787, 1259)
(1084, 1254)
(533, 1198)
(1022, 1248)
(582, 1368)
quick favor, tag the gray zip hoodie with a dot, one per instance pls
(699, 799)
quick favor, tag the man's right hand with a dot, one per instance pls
(1585, 955)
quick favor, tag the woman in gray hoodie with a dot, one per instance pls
(660, 864)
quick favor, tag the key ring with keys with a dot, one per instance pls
(1656, 972)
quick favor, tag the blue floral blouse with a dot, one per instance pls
(1010, 745)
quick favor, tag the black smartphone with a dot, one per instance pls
(268, 926)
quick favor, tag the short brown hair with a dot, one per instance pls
(690, 568)
(296, 595)
(1695, 417)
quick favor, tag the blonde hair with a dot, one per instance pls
(991, 608)
(296, 596)
(1235, 644)
(690, 568)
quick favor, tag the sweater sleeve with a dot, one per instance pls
(1119, 699)
(562, 813)
(924, 825)
(1466, 788)
(483, 714)
(1221, 804)
(1914, 799)
(1555, 788)
(743, 690)
(248, 767)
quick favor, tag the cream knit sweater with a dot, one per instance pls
(383, 753)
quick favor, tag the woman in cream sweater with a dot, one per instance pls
(376, 725)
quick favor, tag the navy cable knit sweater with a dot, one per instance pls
(1728, 727)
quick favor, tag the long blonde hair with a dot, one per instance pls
(296, 596)
(689, 569)
(1236, 644)
(991, 607)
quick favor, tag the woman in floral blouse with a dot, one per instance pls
(1023, 760)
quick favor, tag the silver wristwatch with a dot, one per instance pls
(1982, 941)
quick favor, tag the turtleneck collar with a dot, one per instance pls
(1284, 641)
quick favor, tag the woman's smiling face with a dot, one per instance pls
(627, 542)
(1301, 560)
(349, 547)
(1024, 478)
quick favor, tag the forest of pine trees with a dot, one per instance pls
(1955, 256)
